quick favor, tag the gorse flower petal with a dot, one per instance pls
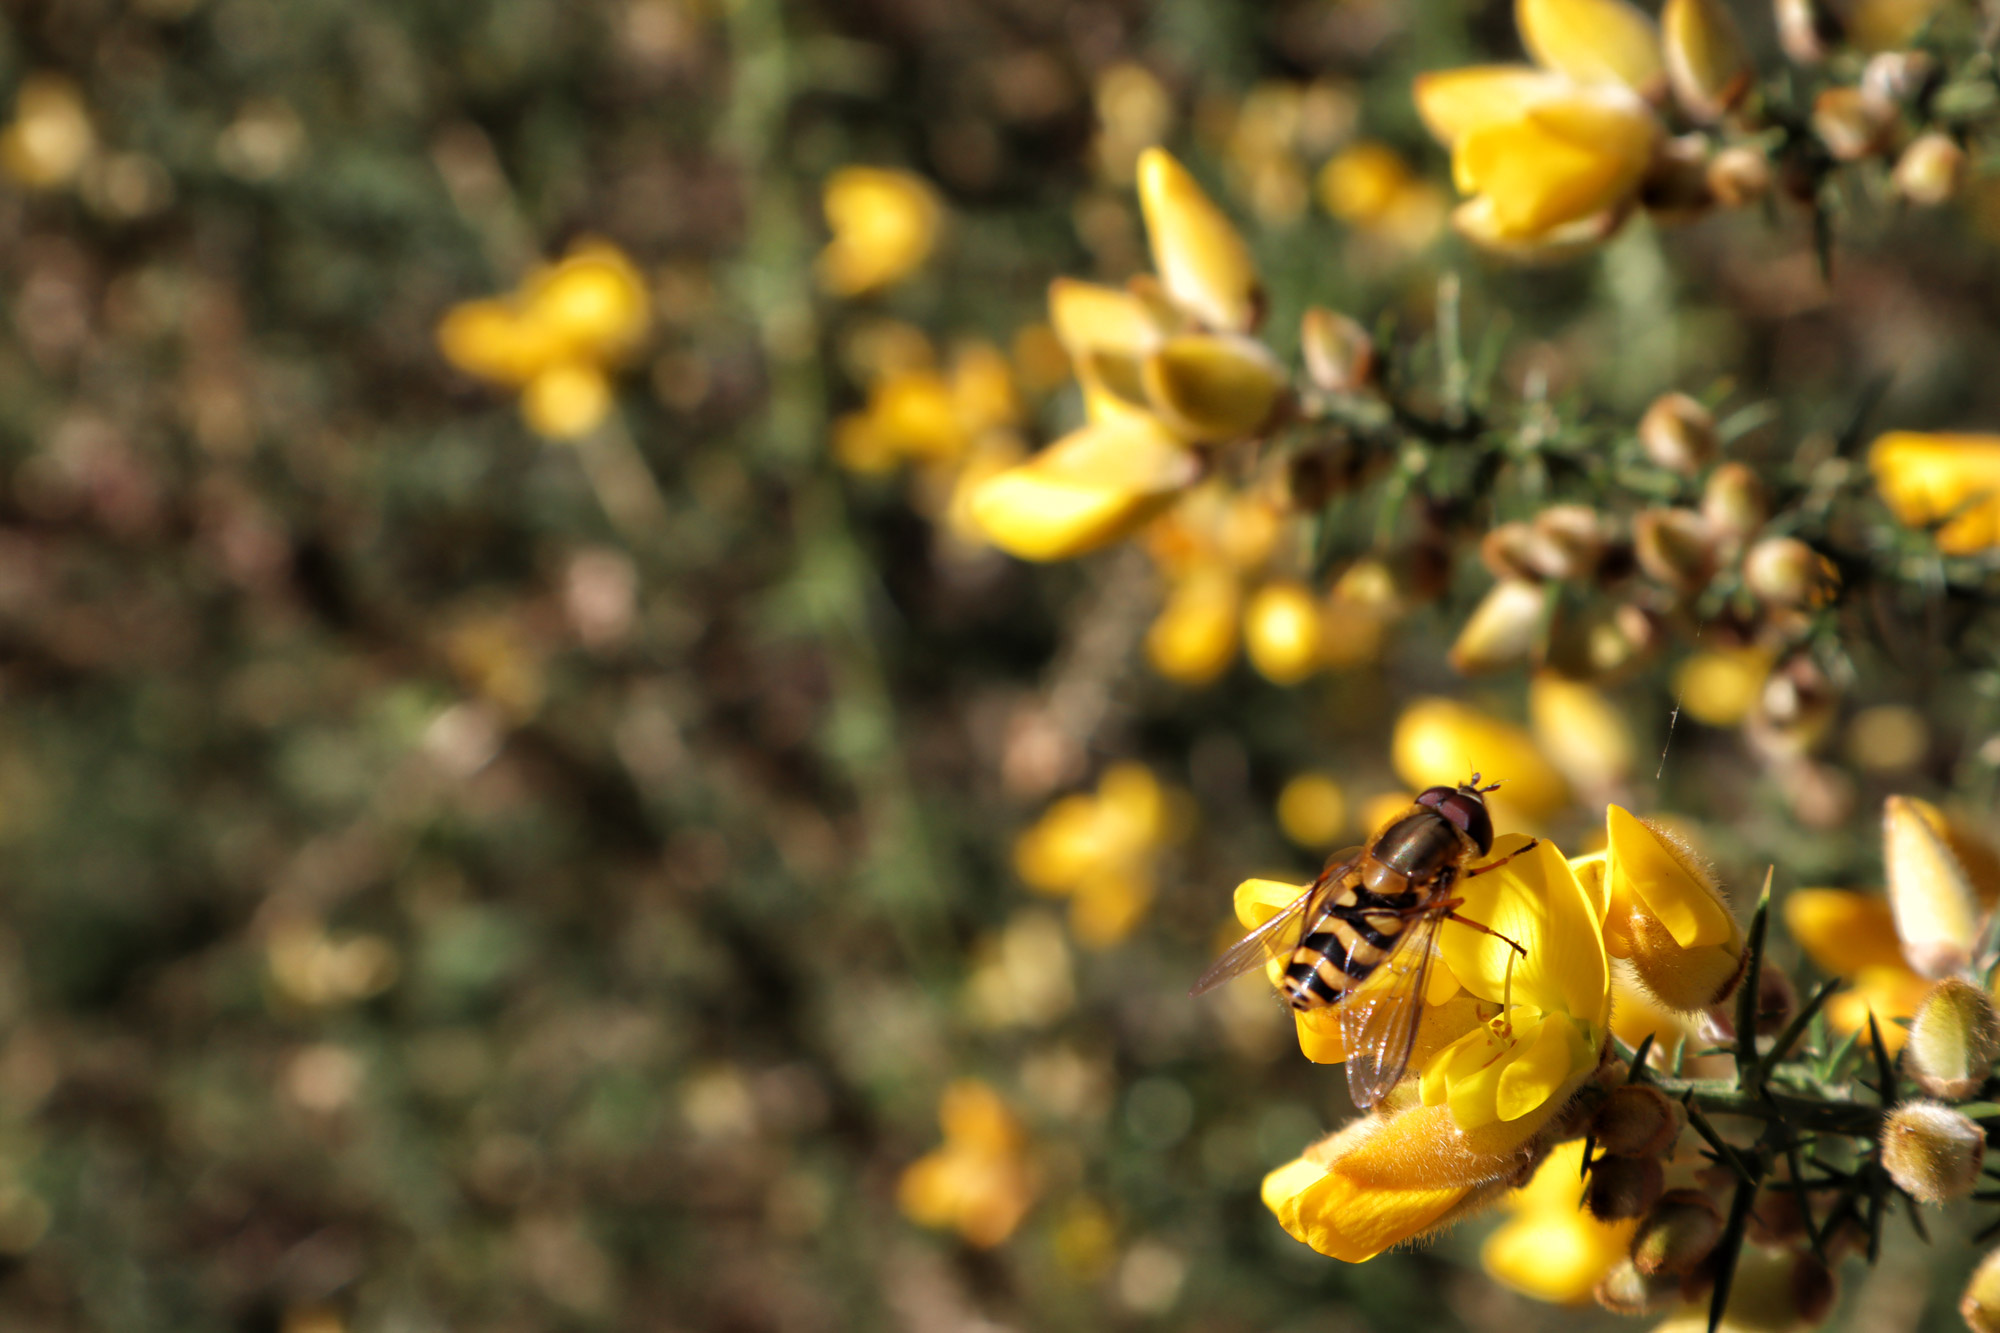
(1842, 931)
(1666, 916)
(1593, 41)
(1198, 253)
(1552, 1248)
(1457, 102)
(1087, 490)
(1928, 479)
(884, 224)
(1568, 157)
(1937, 915)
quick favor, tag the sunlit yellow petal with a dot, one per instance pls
(1543, 1062)
(1443, 742)
(1937, 914)
(1568, 157)
(1088, 489)
(1197, 251)
(1842, 931)
(1455, 102)
(1193, 639)
(1665, 879)
(1924, 478)
(1556, 1257)
(1596, 41)
(884, 224)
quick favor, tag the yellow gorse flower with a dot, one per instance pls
(1664, 915)
(1098, 850)
(556, 337)
(1552, 1248)
(1551, 156)
(1948, 479)
(1165, 365)
(885, 224)
(980, 1182)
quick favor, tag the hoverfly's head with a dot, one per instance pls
(1465, 806)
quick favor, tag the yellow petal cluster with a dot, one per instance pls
(556, 337)
(884, 222)
(1098, 850)
(1551, 155)
(1552, 1248)
(1666, 917)
(980, 1182)
(1951, 480)
(1167, 370)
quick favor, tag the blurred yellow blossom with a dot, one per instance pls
(1441, 742)
(1551, 156)
(980, 1182)
(884, 223)
(1853, 936)
(1949, 479)
(1369, 186)
(555, 337)
(50, 139)
(1099, 849)
(1720, 686)
(1134, 112)
(1552, 1248)
(1312, 810)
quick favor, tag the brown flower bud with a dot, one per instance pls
(1624, 1187)
(1932, 1152)
(1505, 552)
(1675, 547)
(1899, 76)
(1794, 709)
(1980, 1306)
(1852, 124)
(1733, 503)
(1807, 29)
(1785, 572)
(1777, 1218)
(1675, 188)
(1626, 1290)
(1930, 170)
(1567, 541)
(1637, 1120)
(1814, 1290)
(1678, 433)
(1739, 176)
(1953, 1040)
(1678, 1234)
(1339, 354)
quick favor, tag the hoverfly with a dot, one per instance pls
(1374, 911)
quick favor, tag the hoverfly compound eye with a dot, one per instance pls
(1467, 810)
(1435, 797)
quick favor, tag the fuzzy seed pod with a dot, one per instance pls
(1675, 547)
(1953, 1041)
(1739, 176)
(1851, 123)
(1502, 630)
(1624, 1187)
(1637, 1120)
(1785, 572)
(1568, 541)
(1339, 354)
(1678, 1234)
(1506, 551)
(1678, 433)
(1930, 170)
(1626, 1290)
(1733, 503)
(1932, 1152)
(1980, 1306)
(1794, 709)
(1899, 76)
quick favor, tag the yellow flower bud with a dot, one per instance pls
(1933, 1152)
(566, 401)
(1503, 630)
(1678, 433)
(1088, 489)
(1923, 478)
(1785, 572)
(1667, 916)
(1281, 630)
(1675, 547)
(1197, 251)
(1312, 810)
(1566, 158)
(1954, 1040)
(1719, 688)
(1706, 62)
(884, 225)
(594, 302)
(1937, 915)
(1678, 1234)
(1583, 733)
(1739, 175)
(1443, 742)
(1193, 639)
(1594, 41)
(1930, 170)
(1980, 1306)
(1212, 387)
(490, 339)
(1852, 124)
(1339, 354)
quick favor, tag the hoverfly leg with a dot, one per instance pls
(1523, 850)
(1449, 910)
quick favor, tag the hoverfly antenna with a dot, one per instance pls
(1491, 786)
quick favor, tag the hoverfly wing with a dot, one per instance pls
(1378, 1020)
(1273, 937)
